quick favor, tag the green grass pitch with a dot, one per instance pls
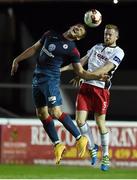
(63, 172)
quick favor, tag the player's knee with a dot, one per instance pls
(41, 115)
(79, 122)
(102, 129)
(56, 114)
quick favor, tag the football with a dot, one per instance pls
(92, 18)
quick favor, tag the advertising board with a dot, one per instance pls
(24, 141)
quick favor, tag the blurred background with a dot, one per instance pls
(22, 23)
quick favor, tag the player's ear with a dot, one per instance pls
(117, 35)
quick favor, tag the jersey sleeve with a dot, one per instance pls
(44, 36)
(75, 55)
(117, 57)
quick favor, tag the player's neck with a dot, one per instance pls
(113, 45)
(110, 45)
(65, 35)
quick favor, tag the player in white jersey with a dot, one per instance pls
(98, 56)
(94, 95)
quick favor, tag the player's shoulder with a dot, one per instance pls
(46, 33)
(49, 33)
(98, 45)
(73, 43)
(119, 50)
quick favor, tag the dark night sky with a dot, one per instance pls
(39, 17)
(60, 15)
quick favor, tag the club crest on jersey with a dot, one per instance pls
(65, 46)
(51, 47)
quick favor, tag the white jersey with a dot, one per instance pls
(99, 55)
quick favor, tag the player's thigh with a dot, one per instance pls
(39, 98)
(84, 101)
(51, 90)
(81, 117)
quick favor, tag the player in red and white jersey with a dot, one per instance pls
(98, 56)
(94, 95)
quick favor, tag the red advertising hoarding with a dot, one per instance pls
(24, 141)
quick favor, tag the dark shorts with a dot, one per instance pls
(46, 94)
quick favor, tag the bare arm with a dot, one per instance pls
(66, 68)
(29, 52)
(84, 60)
(69, 67)
(96, 75)
(105, 69)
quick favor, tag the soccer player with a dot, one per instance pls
(55, 49)
(94, 95)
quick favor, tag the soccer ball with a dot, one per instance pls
(93, 18)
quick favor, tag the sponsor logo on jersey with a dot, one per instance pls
(117, 59)
(65, 46)
(101, 57)
(46, 52)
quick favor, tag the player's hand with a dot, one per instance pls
(14, 68)
(104, 77)
(76, 81)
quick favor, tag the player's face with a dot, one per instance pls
(76, 32)
(110, 37)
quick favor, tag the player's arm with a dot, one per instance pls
(113, 63)
(106, 68)
(66, 68)
(29, 52)
(96, 75)
(69, 67)
(84, 60)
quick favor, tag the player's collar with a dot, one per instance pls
(105, 46)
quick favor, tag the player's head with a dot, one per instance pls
(111, 34)
(76, 32)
